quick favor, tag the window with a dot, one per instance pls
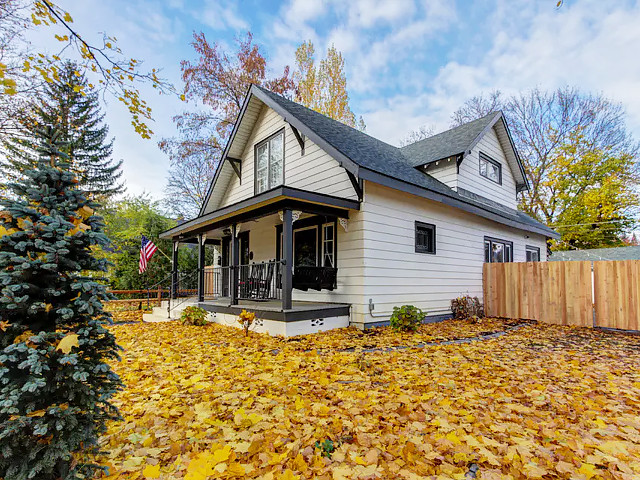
(490, 169)
(497, 251)
(533, 254)
(425, 238)
(269, 162)
(328, 245)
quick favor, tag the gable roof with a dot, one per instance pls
(615, 253)
(449, 143)
(371, 159)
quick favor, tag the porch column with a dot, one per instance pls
(174, 270)
(287, 258)
(201, 262)
(235, 259)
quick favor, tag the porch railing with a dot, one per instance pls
(256, 281)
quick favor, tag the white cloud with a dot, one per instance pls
(220, 15)
(588, 44)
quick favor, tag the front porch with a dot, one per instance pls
(265, 252)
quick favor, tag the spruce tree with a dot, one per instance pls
(55, 387)
(71, 105)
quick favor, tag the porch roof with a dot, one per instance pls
(261, 205)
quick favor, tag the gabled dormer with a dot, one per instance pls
(478, 158)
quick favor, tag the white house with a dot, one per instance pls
(319, 225)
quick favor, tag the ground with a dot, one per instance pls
(537, 402)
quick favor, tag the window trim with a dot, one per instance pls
(491, 240)
(430, 226)
(487, 158)
(333, 244)
(531, 248)
(316, 221)
(255, 160)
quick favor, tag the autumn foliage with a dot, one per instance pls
(540, 402)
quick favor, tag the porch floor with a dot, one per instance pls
(272, 309)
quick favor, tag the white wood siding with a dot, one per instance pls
(470, 178)
(316, 171)
(445, 171)
(395, 275)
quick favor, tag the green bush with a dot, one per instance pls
(406, 318)
(194, 316)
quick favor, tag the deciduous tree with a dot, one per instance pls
(217, 83)
(545, 126)
(323, 88)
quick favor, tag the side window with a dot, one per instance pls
(328, 245)
(425, 238)
(491, 169)
(497, 251)
(533, 254)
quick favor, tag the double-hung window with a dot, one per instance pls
(533, 254)
(269, 162)
(497, 251)
(328, 245)
(490, 169)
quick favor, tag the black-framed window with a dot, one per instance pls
(533, 254)
(425, 238)
(497, 251)
(491, 169)
(329, 245)
(269, 162)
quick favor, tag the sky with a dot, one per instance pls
(408, 62)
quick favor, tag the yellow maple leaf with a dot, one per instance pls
(588, 470)
(288, 475)
(151, 471)
(67, 343)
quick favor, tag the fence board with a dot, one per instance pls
(551, 292)
(617, 294)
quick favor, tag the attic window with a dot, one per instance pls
(491, 169)
(269, 162)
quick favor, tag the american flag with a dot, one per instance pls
(147, 249)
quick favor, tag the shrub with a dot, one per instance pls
(246, 319)
(194, 316)
(467, 307)
(406, 318)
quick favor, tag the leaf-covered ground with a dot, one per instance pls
(539, 402)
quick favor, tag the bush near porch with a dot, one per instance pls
(539, 402)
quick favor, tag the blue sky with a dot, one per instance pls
(409, 62)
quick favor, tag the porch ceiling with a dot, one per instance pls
(261, 205)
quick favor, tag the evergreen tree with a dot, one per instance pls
(55, 386)
(70, 104)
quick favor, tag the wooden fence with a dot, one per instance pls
(603, 294)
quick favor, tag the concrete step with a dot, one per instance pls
(160, 314)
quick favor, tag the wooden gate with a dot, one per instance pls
(617, 294)
(551, 292)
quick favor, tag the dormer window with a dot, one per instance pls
(491, 169)
(269, 162)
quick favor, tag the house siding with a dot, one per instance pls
(394, 274)
(470, 179)
(446, 171)
(315, 171)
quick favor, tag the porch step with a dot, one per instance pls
(159, 314)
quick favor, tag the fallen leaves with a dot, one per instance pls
(540, 402)
(67, 343)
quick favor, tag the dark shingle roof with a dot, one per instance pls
(375, 155)
(617, 253)
(446, 144)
